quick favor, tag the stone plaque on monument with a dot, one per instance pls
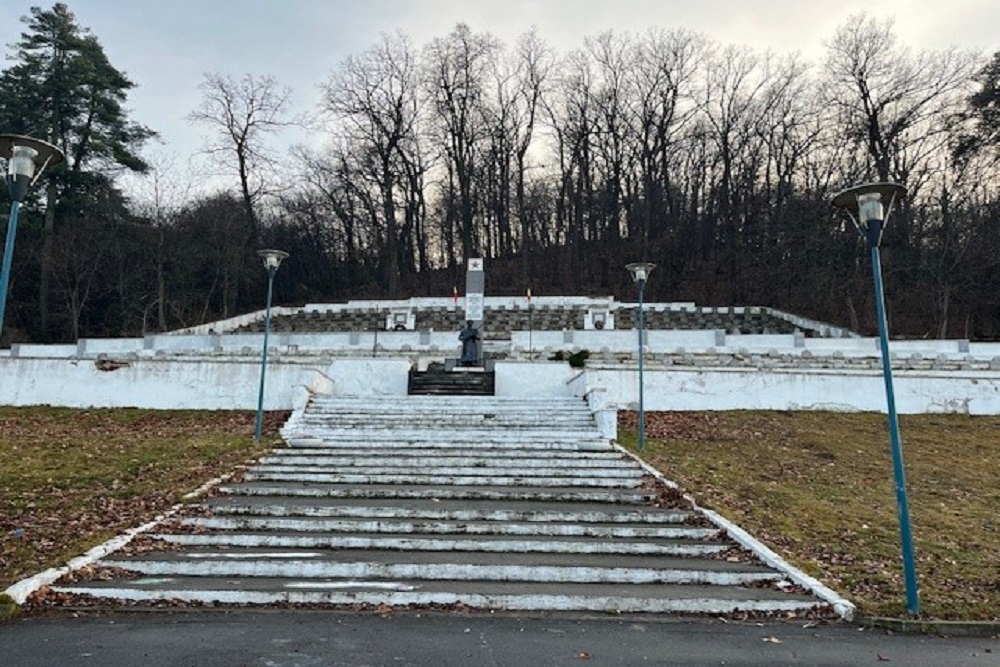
(475, 287)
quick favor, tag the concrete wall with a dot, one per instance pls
(206, 383)
(747, 389)
(151, 383)
(369, 377)
(540, 378)
(620, 340)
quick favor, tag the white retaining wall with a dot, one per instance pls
(201, 384)
(368, 377)
(970, 392)
(534, 379)
(205, 383)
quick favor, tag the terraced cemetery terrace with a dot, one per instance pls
(501, 320)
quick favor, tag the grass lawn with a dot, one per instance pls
(70, 479)
(818, 488)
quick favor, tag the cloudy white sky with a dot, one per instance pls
(165, 46)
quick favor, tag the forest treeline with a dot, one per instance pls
(716, 162)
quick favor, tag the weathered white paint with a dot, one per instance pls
(783, 342)
(570, 524)
(407, 543)
(514, 602)
(970, 392)
(539, 378)
(211, 382)
(331, 569)
(369, 377)
(621, 340)
(150, 383)
(50, 351)
(96, 346)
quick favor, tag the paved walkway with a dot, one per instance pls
(326, 639)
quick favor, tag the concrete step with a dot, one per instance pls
(435, 383)
(299, 440)
(447, 423)
(429, 457)
(436, 509)
(431, 479)
(321, 402)
(311, 524)
(527, 493)
(500, 595)
(414, 433)
(485, 417)
(445, 565)
(433, 542)
(424, 468)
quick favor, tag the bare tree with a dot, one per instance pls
(374, 95)
(240, 114)
(456, 67)
(158, 196)
(664, 73)
(891, 100)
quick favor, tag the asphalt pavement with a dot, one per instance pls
(280, 638)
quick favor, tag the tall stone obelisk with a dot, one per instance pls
(475, 288)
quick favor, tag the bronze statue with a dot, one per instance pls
(470, 344)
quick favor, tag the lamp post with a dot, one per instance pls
(272, 260)
(640, 271)
(531, 328)
(26, 159)
(869, 206)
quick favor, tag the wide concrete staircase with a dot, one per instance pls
(479, 502)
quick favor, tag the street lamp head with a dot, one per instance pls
(870, 204)
(272, 258)
(21, 163)
(640, 270)
(26, 159)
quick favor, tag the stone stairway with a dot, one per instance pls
(479, 502)
(454, 383)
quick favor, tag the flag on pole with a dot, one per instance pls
(529, 296)
(454, 295)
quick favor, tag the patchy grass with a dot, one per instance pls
(818, 488)
(71, 479)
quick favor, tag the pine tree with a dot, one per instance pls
(62, 88)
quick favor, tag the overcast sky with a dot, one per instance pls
(165, 46)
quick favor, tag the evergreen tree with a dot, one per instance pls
(984, 113)
(62, 88)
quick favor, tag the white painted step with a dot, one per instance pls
(418, 542)
(433, 479)
(343, 456)
(429, 468)
(544, 567)
(530, 597)
(298, 440)
(435, 509)
(403, 526)
(534, 494)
